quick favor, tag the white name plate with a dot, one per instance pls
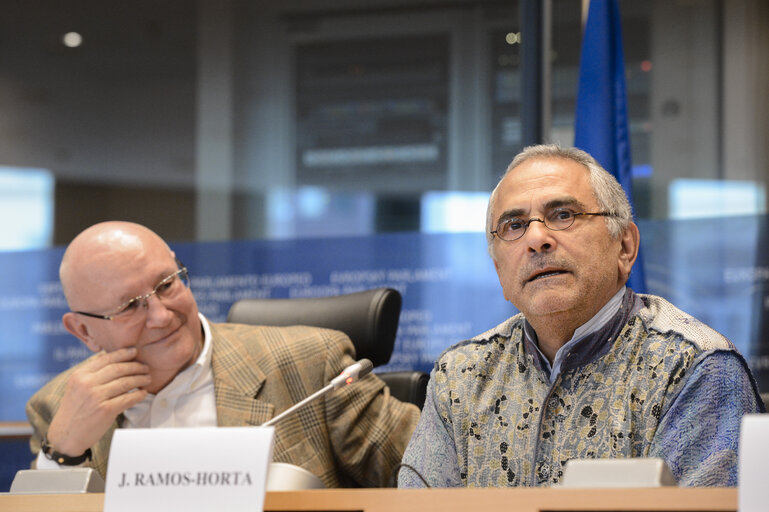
(604, 473)
(753, 454)
(190, 469)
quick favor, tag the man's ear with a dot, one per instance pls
(629, 243)
(78, 328)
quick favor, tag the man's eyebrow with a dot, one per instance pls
(510, 214)
(560, 202)
(126, 297)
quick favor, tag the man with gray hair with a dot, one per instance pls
(588, 368)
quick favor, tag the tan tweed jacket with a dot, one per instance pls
(355, 436)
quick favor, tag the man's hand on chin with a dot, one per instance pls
(96, 393)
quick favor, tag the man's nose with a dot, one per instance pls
(157, 312)
(538, 237)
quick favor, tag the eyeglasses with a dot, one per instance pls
(556, 219)
(166, 290)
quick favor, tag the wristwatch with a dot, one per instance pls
(60, 458)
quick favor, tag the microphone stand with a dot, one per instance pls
(349, 375)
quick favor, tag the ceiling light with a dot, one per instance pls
(72, 39)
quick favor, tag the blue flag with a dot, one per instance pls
(601, 127)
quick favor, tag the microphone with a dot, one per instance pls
(351, 374)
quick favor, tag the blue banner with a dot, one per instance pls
(449, 286)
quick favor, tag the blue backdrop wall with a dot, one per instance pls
(715, 269)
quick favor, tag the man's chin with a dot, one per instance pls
(546, 304)
(167, 366)
(175, 350)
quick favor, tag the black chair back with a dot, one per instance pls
(369, 318)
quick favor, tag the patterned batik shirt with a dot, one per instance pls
(653, 382)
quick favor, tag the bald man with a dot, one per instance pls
(159, 363)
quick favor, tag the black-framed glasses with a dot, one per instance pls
(557, 219)
(168, 289)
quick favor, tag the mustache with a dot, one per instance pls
(540, 262)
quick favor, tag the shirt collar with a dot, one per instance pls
(203, 362)
(599, 320)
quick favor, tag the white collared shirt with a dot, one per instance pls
(187, 401)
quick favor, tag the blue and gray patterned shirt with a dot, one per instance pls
(651, 382)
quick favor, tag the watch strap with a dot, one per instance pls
(60, 458)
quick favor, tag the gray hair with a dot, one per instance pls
(606, 189)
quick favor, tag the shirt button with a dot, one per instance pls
(554, 403)
(164, 403)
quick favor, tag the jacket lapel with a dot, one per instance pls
(237, 380)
